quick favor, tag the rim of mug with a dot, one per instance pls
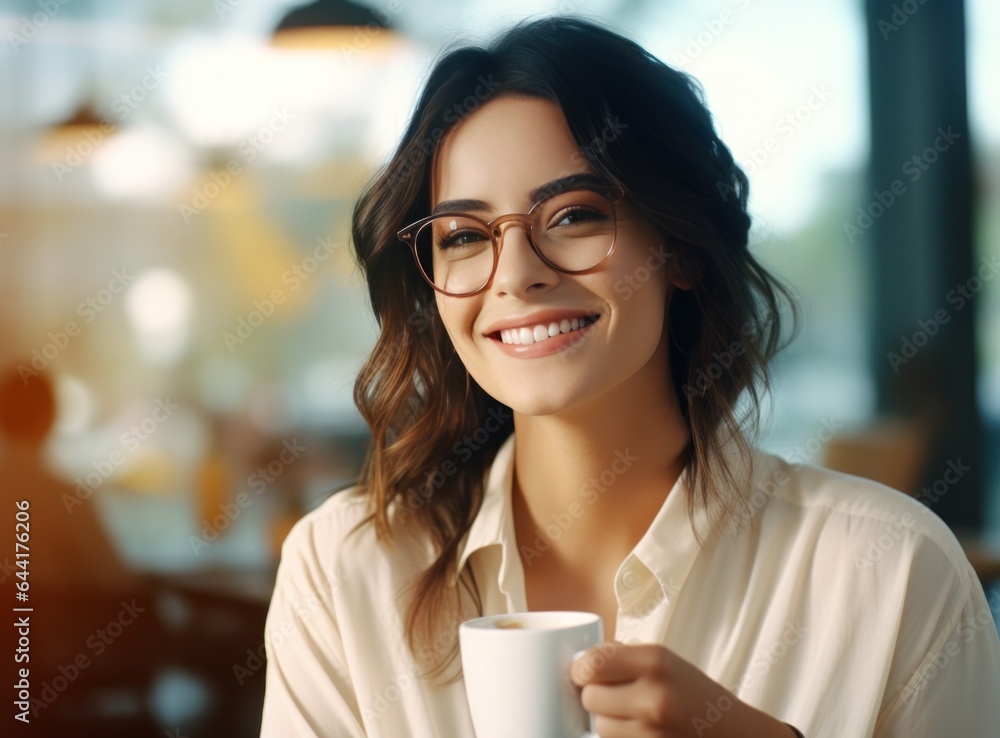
(566, 619)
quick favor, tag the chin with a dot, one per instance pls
(538, 403)
(534, 410)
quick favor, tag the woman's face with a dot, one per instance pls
(499, 154)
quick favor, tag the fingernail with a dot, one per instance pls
(573, 667)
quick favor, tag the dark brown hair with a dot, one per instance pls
(431, 443)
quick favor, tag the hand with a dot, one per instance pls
(647, 691)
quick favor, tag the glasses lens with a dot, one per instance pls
(575, 230)
(455, 253)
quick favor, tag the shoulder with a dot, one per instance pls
(864, 520)
(868, 561)
(311, 553)
(331, 521)
(336, 545)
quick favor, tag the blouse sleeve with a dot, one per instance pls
(955, 687)
(308, 690)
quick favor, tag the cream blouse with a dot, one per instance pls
(854, 613)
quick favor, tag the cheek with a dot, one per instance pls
(641, 309)
(644, 319)
(457, 319)
(640, 288)
(657, 293)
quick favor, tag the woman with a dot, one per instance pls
(557, 257)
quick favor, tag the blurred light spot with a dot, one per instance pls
(159, 308)
(228, 92)
(177, 696)
(141, 164)
(173, 609)
(75, 402)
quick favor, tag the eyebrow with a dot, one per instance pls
(539, 193)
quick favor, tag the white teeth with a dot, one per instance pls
(526, 336)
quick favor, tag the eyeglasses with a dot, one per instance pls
(573, 231)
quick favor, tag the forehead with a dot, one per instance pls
(503, 150)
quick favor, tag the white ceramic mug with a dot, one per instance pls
(516, 669)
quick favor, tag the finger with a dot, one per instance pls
(614, 662)
(593, 661)
(609, 727)
(606, 700)
(641, 701)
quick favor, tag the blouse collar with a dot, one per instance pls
(666, 552)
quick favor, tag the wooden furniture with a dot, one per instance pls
(887, 450)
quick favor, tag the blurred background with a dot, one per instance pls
(181, 321)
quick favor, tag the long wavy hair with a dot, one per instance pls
(431, 444)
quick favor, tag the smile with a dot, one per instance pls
(526, 336)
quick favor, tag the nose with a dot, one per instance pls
(518, 266)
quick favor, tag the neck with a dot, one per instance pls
(588, 482)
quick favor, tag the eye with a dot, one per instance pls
(576, 214)
(460, 238)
